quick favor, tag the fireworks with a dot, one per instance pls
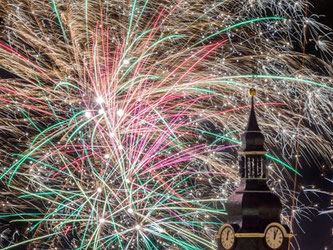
(120, 123)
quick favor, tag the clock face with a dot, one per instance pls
(227, 237)
(274, 237)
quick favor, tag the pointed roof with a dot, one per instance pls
(252, 139)
(252, 124)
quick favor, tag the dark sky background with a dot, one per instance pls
(319, 230)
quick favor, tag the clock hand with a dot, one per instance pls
(275, 233)
(228, 234)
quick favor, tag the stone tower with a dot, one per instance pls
(253, 210)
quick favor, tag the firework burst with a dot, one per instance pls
(121, 119)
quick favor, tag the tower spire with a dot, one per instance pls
(252, 139)
(252, 151)
(252, 124)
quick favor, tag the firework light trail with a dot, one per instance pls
(121, 121)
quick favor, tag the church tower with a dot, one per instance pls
(253, 210)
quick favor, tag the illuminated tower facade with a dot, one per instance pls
(253, 210)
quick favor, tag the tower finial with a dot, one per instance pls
(252, 92)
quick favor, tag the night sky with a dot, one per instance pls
(319, 230)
